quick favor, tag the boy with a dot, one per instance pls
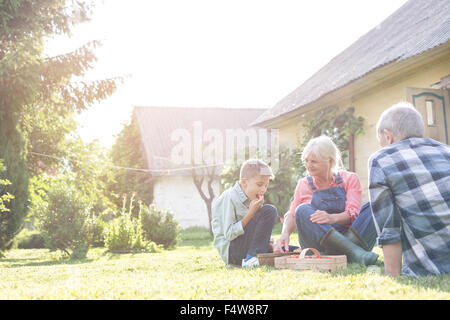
(241, 222)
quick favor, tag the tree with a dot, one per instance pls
(91, 166)
(33, 85)
(12, 150)
(63, 218)
(128, 152)
(47, 134)
(5, 198)
(198, 176)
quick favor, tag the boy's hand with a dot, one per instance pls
(257, 203)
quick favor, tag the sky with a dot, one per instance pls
(210, 53)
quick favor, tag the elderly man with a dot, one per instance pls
(409, 190)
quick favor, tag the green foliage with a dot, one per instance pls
(63, 219)
(282, 187)
(47, 134)
(160, 226)
(337, 125)
(89, 164)
(230, 174)
(124, 235)
(6, 197)
(38, 96)
(29, 239)
(96, 229)
(128, 152)
(120, 234)
(38, 188)
(12, 150)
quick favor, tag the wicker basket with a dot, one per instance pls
(316, 263)
(267, 259)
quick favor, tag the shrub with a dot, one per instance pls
(63, 219)
(124, 234)
(38, 188)
(30, 239)
(119, 234)
(96, 230)
(159, 225)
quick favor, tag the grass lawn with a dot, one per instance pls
(194, 271)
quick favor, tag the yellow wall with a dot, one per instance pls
(369, 104)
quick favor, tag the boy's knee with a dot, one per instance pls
(269, 210)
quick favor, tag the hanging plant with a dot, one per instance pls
(340, 127)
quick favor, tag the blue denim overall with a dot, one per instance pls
(331, 200)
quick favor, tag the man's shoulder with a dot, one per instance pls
(390, 150)
(379, 154)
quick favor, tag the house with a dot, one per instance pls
(406, 57)
(180, 141)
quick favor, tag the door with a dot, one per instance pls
(433, 105)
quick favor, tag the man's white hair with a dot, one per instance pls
(403, 120)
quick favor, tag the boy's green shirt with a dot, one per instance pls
(227, 212)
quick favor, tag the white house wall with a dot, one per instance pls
(180, 195)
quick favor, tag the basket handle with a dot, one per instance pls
(315, 251)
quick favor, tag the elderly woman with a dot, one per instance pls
(326, 209)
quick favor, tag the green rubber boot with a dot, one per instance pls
(354, 237)
(335, 243)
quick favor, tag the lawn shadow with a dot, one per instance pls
(352, 269)
(195, 237)
(37, 262)
(61, 261)
(195, 243)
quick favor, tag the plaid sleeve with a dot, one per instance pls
(382, 202)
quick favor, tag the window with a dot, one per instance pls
(431, 114)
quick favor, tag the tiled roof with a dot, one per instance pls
(159, 125)
(416, 27)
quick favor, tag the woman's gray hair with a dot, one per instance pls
(403, 120)
(324, 149)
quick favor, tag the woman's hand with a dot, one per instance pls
(282, 245)
(321, 217)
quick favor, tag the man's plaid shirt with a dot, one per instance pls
(409, 190)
